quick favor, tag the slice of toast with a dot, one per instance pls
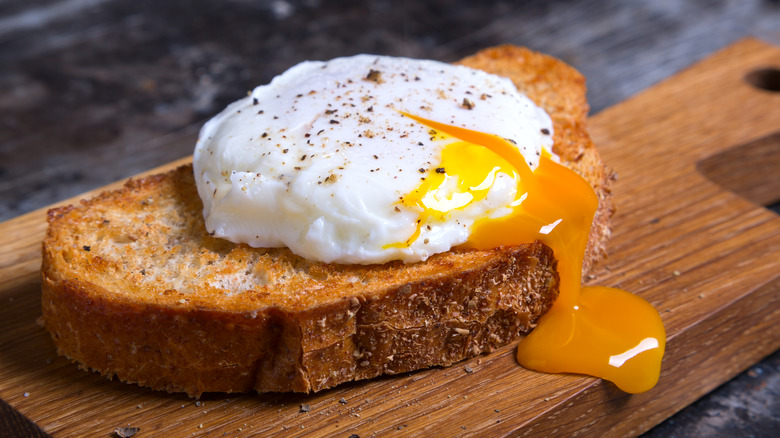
(134, 286)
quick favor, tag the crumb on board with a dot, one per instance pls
(126, 432)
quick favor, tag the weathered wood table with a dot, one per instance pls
(95, 91)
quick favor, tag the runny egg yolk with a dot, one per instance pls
(598, 331)
(465, 175)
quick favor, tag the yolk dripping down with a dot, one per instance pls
(599, 331)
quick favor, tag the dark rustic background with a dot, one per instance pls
(93, 91)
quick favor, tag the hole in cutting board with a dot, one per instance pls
(765, 78)
(751, 170)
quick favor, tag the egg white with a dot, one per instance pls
(319, 159)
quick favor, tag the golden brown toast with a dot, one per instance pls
(134, 286)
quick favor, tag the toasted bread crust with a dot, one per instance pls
(134, 287)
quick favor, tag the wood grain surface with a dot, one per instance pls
(705, 256)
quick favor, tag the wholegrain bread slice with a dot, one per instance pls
(134, 286)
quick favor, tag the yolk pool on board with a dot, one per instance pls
(598, 331)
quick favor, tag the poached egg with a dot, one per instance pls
(369, 159)
(331, 159)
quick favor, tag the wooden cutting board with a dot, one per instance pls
(695, 155)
